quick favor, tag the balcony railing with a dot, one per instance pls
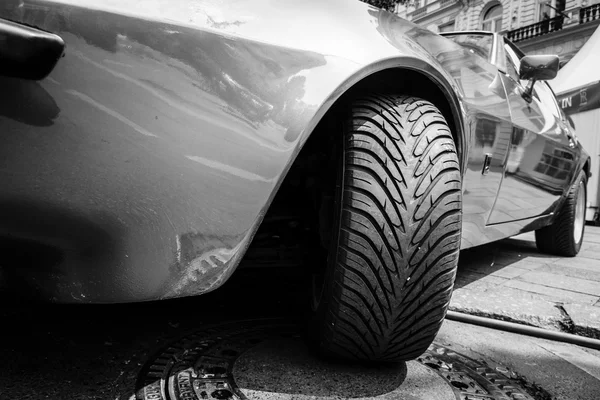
(589, 14)
(537, 29)
(586, 14)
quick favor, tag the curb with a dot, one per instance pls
(585, 319)
(530, 310)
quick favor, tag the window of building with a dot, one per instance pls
(550, 8)
(485, 132)
(555, 163)
(544, 12)
(492, 19)
(449, 27)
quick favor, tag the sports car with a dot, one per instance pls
(150, 148)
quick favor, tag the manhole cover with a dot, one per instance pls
(268, 360)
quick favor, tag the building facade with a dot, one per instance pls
(537, 26)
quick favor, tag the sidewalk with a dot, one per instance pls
(512, 281)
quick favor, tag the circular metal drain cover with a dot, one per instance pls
(267, 359)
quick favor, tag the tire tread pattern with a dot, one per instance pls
(400, 231)
(557, 239)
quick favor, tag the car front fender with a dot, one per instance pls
(147, 159)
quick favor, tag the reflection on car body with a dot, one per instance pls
(175, 141)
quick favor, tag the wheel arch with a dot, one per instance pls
(417, 83)
(406, 75)
(409, 76)
(587, 165)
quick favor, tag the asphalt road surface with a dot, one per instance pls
(113, 351)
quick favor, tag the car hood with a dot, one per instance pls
(348, 29)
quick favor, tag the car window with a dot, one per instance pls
(513, 58)
(547, 98)
(480, 44)
(513, 63)
(514, 50)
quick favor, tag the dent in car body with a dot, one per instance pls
(165, 131)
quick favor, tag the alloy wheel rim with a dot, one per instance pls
(579, 214)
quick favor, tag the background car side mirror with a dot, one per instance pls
(538, 68)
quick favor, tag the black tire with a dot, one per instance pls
(396, 236)
(559, 238)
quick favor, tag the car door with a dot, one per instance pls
(490, 126)
(541, 156)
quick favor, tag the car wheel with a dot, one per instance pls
(565, 236)
(396, 233)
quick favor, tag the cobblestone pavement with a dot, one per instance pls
(511, 280)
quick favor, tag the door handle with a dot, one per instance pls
(27, 52)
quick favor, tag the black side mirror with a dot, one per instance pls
(537, 68)
(27, 52)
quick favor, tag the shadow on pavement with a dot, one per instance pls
(96, 351)
(493, 260)
(286, 366)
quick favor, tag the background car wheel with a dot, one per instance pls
(565, 236)
(396, 234)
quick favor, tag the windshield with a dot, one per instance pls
(476, 43)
